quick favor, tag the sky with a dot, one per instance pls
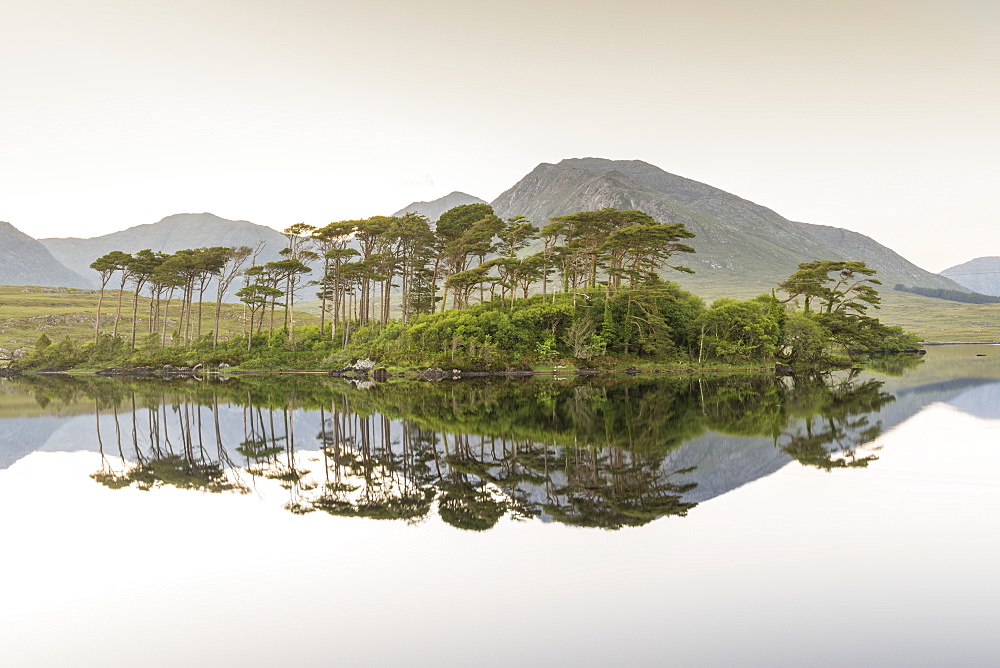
(876, 116)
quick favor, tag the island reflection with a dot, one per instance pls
(589, 452)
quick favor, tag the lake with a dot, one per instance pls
(637, 520)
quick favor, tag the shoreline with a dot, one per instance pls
(379, 374)
(962, 343)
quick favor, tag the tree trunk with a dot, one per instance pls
(118, 313)
(166, 318)
(135, 311)
(97, 324)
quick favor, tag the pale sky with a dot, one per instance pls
(877, 116)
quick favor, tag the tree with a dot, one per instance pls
(333, 284)
(213, 261)
(626, 243)
(550, 235)
(186, 268)
(261, 288)
(464, 282)
(529, 270)
(106, 266)
(142, 267)
(461, 232)
(370, 233)
(506, 267)
(234, 259)
(287, 271)
(331, 240)
(257, 296)
(123, 263)
(851, 288)
(803, 340)
(584, 234)
(515, 235)
(843, 292)
(299, 239)
(416, 246)
(739, 331)
(640, 250)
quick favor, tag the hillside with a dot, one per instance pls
(173, 233)
(25, 261)
(980, 275)
(742, 248)
(433, 209)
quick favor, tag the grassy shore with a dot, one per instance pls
(28, 312)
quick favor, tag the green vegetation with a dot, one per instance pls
(950, 295)
(938, 320)
(602, 301)
(27, 312)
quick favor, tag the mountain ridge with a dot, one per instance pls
(740, 245)
(434, 208)
(168, 235)
(26, 261)
(743, 248)
(980, 274)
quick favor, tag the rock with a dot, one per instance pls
(364, 365)
(171, 370)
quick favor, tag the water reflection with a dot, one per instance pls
(590, 452)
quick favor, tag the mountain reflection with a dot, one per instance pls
(589, 452)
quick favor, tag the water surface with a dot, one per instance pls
(637, 520)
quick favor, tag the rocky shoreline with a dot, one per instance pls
(366, 370)
(380, 374)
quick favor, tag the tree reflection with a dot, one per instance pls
(158, 464)
(588, 452)
(364, 474)
(835, 421)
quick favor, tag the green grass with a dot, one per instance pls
(28, 312)
(941, 321)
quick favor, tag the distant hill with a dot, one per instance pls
(173, 233)
(980, 275)
(433, 210)
(742, 248)
(25, 261)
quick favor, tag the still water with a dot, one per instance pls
(648, 520)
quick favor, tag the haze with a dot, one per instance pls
(875, 116)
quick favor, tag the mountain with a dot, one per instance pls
(173, 233)
(742, 248)
(25, 261)
(433, 210)
(980, 275)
